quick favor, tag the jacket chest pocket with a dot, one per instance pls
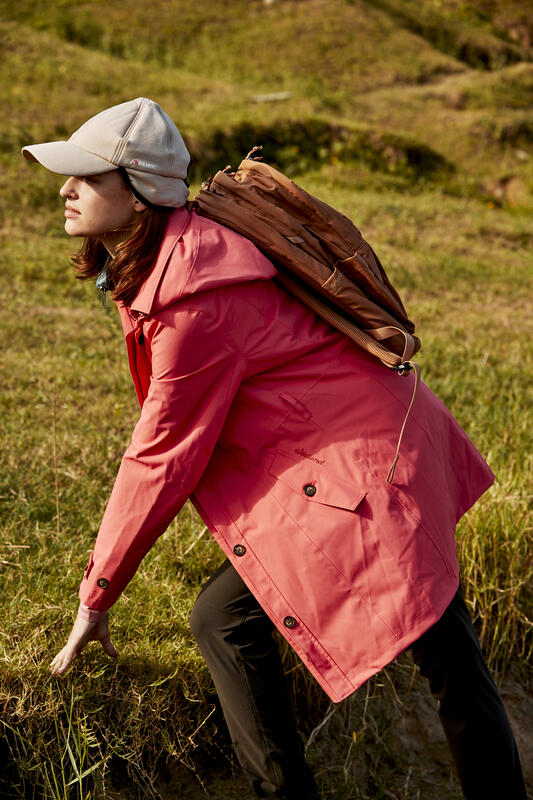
(309, 478)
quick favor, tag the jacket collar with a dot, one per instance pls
(177, 223)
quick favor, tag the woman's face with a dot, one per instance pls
(98, 205)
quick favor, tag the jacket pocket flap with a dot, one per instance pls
(315, 483)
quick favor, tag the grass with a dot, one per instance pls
(457, 29)
(417, 147)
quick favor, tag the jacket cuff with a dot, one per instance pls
(90, 614)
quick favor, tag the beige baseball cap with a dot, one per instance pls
(137, 137)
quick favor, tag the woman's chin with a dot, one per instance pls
(73, 228)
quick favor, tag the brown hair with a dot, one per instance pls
(134, 257)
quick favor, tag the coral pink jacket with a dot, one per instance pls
(282, 432)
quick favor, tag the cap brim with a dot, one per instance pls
(66, 158)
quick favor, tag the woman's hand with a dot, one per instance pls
(82, 632)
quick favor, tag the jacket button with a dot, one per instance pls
(103, 583)
(289, 622)
(310, 490)
(239, 549)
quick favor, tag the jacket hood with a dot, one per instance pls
(197, 254)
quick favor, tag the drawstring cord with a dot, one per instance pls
(402, 369)
(136, 320)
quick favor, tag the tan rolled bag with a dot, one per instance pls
(321, 258)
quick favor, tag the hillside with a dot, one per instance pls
(414, 117)
(355, 71)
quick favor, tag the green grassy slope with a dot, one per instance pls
(430, 152)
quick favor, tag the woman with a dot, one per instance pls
(282, 433)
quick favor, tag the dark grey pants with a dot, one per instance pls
(235, 637)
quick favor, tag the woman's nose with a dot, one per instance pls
(69, 188)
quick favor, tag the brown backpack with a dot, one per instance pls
(321, 258)
(320, 255)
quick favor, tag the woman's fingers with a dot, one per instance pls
(62, 661)
(82, 632)
(109, 647)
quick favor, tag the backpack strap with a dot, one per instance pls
(390, 330)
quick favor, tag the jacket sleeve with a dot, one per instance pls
(196, 371)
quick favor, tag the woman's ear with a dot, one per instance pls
(138, 206)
